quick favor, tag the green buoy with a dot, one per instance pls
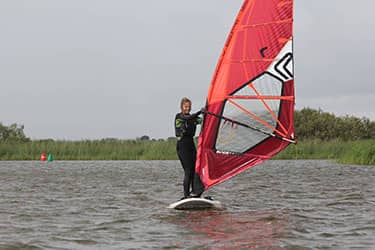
(50, 157)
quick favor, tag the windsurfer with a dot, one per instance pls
(185, 127)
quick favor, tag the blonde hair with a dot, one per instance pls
(184, 100)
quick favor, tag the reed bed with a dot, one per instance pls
(346, 152)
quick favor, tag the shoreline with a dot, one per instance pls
(270, 160)
(360, 152)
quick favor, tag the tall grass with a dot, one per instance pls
(362, 152)
(347, 152)
(90, 150)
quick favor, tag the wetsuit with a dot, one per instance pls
(185, 127)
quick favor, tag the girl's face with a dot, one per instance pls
(186, 107)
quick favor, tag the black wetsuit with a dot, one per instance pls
(185, 127)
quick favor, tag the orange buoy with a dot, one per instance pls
(43, 157)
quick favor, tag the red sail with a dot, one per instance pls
(250, 102)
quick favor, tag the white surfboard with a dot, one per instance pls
(195, 204)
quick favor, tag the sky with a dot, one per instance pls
(92, 69)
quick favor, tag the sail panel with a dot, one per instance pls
(250, 103)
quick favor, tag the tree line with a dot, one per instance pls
(309, 124)
(13, 133)
(316, 124)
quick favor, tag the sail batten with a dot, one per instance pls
(289, 20)
(250, 103)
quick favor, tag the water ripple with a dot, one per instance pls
(123, 205)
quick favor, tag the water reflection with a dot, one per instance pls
(220, 229)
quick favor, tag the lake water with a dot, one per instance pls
(123, 205)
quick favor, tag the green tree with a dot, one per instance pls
(13, 133)
(316, 124)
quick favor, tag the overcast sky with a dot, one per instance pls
(86, 69)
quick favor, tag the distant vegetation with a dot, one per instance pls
(320, 135)
(316, 124)
(90, 150)
(12, 133)
(347, 152)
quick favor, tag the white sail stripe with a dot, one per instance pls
(288, 49)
